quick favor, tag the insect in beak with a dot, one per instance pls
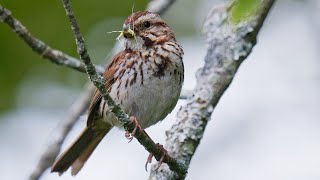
(127, 33)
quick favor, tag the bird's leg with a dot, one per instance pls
(163, 152)
(137, 127)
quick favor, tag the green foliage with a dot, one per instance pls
(242, 10)
(47, 21)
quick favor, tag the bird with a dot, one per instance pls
(145, 79)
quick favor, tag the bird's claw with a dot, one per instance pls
(137, 127)
(163, 152)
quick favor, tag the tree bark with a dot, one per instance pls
(230, 38)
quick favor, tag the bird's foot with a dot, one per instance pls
(163, 152)
(137, 128)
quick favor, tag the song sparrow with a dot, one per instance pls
(145, 79)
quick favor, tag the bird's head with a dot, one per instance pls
(143, 30)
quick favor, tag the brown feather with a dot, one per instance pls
(124, 71)
(108, 75)
(86, 153)
(78, 153)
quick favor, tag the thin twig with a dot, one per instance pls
(40, 47)
(229, 44)
(56, 56)
(79, 107)
(99, 82)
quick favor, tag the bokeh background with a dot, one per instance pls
(266, 126)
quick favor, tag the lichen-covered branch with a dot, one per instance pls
(59, 58)
(230, 39)
(38, 46)
(81, 104)
(54, 55)
(99, 82)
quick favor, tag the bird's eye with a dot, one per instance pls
(146, 24)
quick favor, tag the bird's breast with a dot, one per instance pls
(149, 86)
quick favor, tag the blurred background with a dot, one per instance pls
(266, 126)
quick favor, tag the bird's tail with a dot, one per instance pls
(79, 152)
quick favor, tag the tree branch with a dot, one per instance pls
(40, 47)
(54, 55)
(230, 39)
(99, 82)
(60, 58)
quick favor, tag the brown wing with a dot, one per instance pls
(109, 77)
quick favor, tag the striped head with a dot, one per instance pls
(143, 30)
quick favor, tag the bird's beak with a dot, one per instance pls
(128, 32)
